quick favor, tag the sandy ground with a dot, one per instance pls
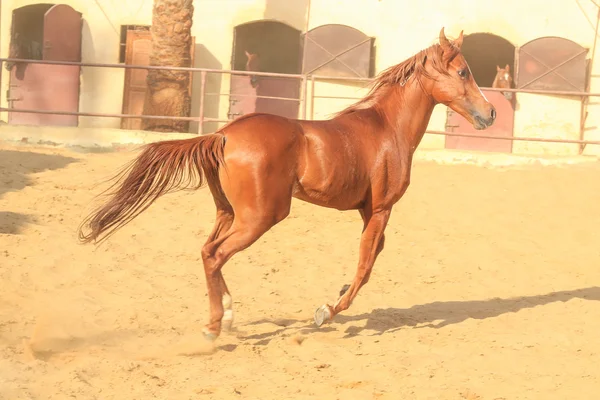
(488, 288)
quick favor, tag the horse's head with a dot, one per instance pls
(252, 64)
(454, 86)
(503, 80)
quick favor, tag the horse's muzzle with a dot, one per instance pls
(482, 122)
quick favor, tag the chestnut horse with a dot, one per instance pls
(503, 80)
(358, 160)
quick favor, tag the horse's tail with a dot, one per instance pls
(161, 168)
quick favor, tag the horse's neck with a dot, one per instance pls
(408, 110)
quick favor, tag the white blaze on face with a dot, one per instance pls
(507, 77)
(478, 88)
(482, 95)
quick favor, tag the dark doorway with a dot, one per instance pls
(278, 48)
(277, 44)
(483, 52)
(27, 30)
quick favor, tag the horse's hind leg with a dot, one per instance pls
(371, 244)
(259, 200)
(243, 233)
(223, 223)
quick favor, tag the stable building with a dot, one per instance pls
(331, 47)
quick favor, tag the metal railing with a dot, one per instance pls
(306, 82)
(203, 72)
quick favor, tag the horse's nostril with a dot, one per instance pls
(493, 114)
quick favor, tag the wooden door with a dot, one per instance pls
(62, 34)
(503, 127)
(137, 52)
(287, 88)
(50, 87)
(242, 98)
(279, 49)
(46, 88)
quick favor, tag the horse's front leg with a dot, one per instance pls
(371, 244)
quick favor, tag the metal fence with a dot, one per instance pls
(307, 81)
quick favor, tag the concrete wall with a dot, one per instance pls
(400, 28)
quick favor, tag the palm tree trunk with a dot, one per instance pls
(168, 91)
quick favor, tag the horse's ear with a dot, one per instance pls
(443, 39)
(459, 41)
(247, 54)
(497, 68)
(507, 68)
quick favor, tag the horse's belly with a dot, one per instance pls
(331, 171)
(339, 192)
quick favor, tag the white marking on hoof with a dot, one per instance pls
(338, 302)
(227, 320)
(227, 301)
(322, 314)
(211, 337)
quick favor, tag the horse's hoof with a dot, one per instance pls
(208, 335)
(226, 325)
(322, 314)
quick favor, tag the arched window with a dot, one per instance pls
(552, 63)
(338, 51)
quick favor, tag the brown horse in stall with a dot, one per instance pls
(253, 64)
(503, 80)
(254, 166)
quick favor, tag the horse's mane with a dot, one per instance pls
(400, 73)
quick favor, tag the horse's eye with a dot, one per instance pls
(462, 73)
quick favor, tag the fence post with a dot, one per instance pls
(304, 97)
(1, 68)
(202, 98)
(2, 92)
(312, 97)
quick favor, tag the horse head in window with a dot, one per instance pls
(503, 80)
(253, 64)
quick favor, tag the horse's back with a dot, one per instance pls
(262, 133)
(264, 143)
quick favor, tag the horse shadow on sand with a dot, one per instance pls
(15, 168)
(434, 315)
